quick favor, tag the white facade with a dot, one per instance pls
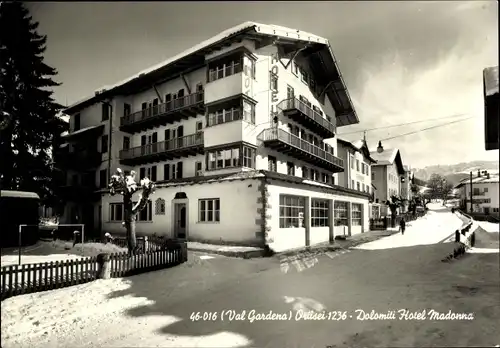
(246, 128)
(485, 194)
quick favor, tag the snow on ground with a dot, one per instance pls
(65, 317)
(489, 226)
(432, 228)
(10, 260)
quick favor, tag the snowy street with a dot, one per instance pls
(154, 309)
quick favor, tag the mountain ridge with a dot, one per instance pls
(454, 173)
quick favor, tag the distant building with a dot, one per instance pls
(484, 194)
(387, 173)
(491, 105)
(357, 165)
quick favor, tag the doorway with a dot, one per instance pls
(180, 220)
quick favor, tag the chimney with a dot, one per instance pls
(487, 175)
(478, 173)
(380, 149)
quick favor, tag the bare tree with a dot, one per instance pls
(434, 184)
(446, 190)
(127, 186)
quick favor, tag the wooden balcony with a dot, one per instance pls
(189, 145)
(301, 113)
(284, 142)
(77, 160)
(163, 114)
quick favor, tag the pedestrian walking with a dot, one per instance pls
(402, 225)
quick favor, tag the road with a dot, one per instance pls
(154, 309)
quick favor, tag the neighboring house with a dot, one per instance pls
(406, 181)
(232, 131)
(491, 106)
(485, 194)
(387, 173)
(357, 161)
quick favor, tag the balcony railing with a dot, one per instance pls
(273, 134)
(309, 113)
(220, 73)
(163, 147)
(170, 107)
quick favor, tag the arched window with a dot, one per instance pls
(160, 206)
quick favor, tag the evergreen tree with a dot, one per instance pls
(29, 115)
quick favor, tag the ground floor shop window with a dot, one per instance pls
(291, 211)
(319, 213)
(356, 214)
(340, 213)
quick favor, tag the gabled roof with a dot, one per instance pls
(318, 49)
(388, 157)
(358, 145)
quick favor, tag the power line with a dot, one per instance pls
(404, 124)
(424, 129)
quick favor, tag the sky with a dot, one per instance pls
(402, 61)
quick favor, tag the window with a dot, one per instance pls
(76, 124)
(198, 169)
(304, 77)
(248, 112)
(356, 214)
(180, 172)
(224, 158)
(199, 126)
(104, 143)
(146, 214)
(272, 164)
(273, 80)
(295, 69)
(352, 162)
(476, 191)
(352, 184)
(305, 173)
(103, 178)
(319, 213)
(116, 212)
(373, 175)
(127, 109)
(105, 111)
(126, 143)
(485, 189)
(314, 175)
(209, 210)
(340, 213)
(160, 206)
(324, 178)
(166, 172)
(357, 165)
(142, 173)
(362, 168)
(290, 168)
(291, 211)
(358, 186)
(228, 115)
(224, 70)
(153, 173)
(248, 157)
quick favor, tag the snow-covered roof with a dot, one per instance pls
(385, 157)
(83, 130)
(483, 179)
(270, 30)
(490, 76)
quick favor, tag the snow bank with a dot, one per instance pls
(489, 226)
(92, 315)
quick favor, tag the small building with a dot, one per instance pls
(387, 174)
(485, 194)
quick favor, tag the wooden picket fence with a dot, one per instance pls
(30, 278)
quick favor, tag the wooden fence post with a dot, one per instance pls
(184, 252)
(104, 266)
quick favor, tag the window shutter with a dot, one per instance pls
(166, 172)
(179, 170)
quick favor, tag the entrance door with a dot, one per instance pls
(180, 220)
